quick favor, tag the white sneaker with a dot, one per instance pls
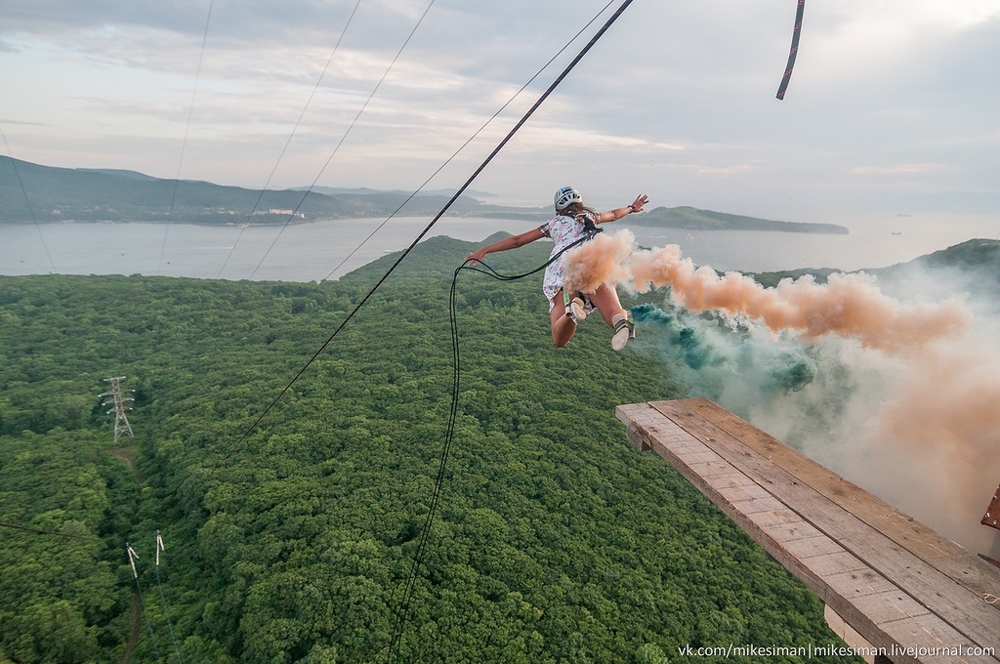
(624, 330)
(575, 308)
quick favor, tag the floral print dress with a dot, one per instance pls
(564, 231)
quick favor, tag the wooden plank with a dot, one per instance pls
(810, 547)
(977, 575)
(889, 605)
(648, 429)
(645, 436)
(957, 605)
(926, 630)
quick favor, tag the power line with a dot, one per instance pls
(343, 138)
(288, 142)
(27, 201)
(187, 130)
(466, 143)
(132, 557)
(38, 531)
(159, 586)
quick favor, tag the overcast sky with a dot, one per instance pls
(893, 108)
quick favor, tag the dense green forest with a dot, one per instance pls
(555, 541)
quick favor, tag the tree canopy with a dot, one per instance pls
(555, 541)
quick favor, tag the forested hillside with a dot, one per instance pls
(555, 541)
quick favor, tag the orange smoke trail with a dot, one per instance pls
(848, 305)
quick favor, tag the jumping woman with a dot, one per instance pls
(572, 222)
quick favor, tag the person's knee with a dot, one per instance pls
(562, 331)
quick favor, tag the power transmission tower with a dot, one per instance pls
(121, 422)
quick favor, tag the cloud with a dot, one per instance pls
(901, 169)
(686, 88)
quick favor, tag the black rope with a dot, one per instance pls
(402, 256)
(796, 31)
(452, 420)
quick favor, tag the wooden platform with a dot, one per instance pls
(895, 582)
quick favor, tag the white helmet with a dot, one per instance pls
(565, 196)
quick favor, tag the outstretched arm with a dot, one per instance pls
(512, 242)
(618, 213)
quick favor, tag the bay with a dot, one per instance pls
(328, 249)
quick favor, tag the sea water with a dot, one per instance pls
(328, 249)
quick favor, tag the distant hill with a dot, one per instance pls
(336, 191)
(437, 257)
(31, 192)
(977, 257)
(88, 195)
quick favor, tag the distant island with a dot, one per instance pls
(32, 193)
(706, 220)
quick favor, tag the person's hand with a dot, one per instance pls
(477, 256)
(640, 201)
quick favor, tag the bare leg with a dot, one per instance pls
(606, 300)
(563, 327)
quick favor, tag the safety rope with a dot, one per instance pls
(449, 435)
(402, 256)
(796, 31)
(450, 430)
